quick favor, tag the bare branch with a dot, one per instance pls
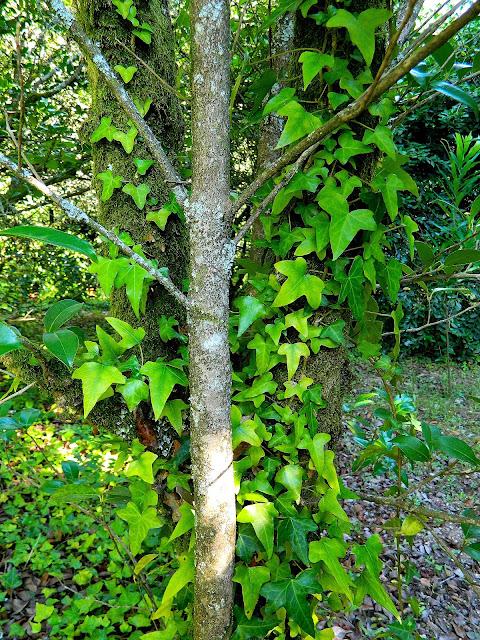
(354, 109)
(93, 51)
(437, 322)
(17, 393)
(76, 214)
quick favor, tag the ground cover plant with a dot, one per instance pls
(250, 234)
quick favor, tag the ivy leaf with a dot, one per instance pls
(134, 391)
(292, 593)
(163, 378)
(350, 147)
(104, 130)
(142, 165)
(344, 227)
(173, 412)
(298, 284)
(134, 278)
(263, 350)
(336, 99)
(127, 140)
(382, 137)
(293, 531)
(142, 467)
(139, 194)
(275, 330)
(329, 550)
(123, 7)
(251, 580)
(411, 526)
(293, 353)
(299, 123)
(107, 271)
(353, 290)
(63, 344)
(43, 611)
(182, 576)
(389, 276)
(130, 336)
(261, 517)
(362, 29)
(410, 228)
(279, 100)
(110, 183)
(313, 63)
(126, 73)
(9, 339)
(254, 628)
(250, 310)
(247, 543)
(144, 33)
(96, 379)
(186, 522)
(139, 524)
(60, 313)
(290, 476)
(256, 393)
(159, 217)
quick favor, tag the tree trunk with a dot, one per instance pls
(210, 369)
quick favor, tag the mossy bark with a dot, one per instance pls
(100, 19)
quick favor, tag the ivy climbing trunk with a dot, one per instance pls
(210, 370)
(168, 246)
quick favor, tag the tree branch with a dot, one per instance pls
(93, 51)
(76, 214)
(433, 324)
(354, 109)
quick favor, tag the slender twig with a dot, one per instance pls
(433, 324)
(93, 51)
(76, 214)
(21, 84)
(17, 393)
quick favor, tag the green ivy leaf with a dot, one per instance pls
(293, 353)
(329, 550)
(104, 130)
(130, 336)
(186, 522)
(142, 467)
(362, 29)
(123, 7)
(299, 123)
(43, 611)
(298, 284)
(142, 165)
(159, 217)
(350, 147)
(173, 412)
(96, 379)
(250, 310)
(163, 378)
(135, 278)
(251, 580)
(290, 476)
(63, 344)
(292, 593)
(134, 391)
(139, 194)
(382, 137)
(411, 526)
(389, 276)
(263, 352)
(411, 227)
(60, 313)
(139, 524)
(182, 576)
(144, 32)
(127, 140)
(126, 73)
(352, 288)
(107, 270)
(293, 531)
(261, 517)
(110, 183)
(344, 227)
(312, 64)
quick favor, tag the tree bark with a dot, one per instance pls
(210, 370)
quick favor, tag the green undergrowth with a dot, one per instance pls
(61, 563)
